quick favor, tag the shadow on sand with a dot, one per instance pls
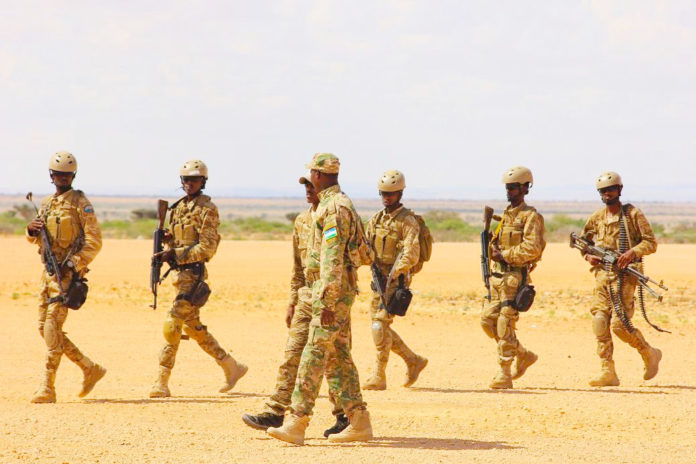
(604, 390)
(510, 391)
(420, 443)
(173, 399)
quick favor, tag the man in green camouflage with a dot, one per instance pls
(297, 318)
(336, 251)
(604, 228)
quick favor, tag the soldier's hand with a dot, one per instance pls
(166, 235)
(35, 226)
(288, 314)
(496, 254)
(327, 318)
(626, 259)
(166, 255)
(593, 260)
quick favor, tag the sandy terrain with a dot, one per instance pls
(448, 416)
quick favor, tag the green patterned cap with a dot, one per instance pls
(325, 162)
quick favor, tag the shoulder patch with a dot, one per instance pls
(330, 234)
(88, 209)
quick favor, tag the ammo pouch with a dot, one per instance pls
(398, 304)
(198, 296)
(76, 295)
(525, 294)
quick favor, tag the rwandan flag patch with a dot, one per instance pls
(330, 234)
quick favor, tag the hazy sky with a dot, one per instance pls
(450, 92)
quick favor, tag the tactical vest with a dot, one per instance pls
(186, 221)
(63, 220)
(510, 233)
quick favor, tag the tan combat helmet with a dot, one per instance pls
(392, 181)
(518, 175)
(62, 162)
(194, 167)
(608, 179)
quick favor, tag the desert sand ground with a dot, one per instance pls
(448, 416)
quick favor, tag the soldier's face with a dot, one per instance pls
(390, 198)
(610, 195)
(62, 179)
(192, 184)
(311, 194)
(514, 192)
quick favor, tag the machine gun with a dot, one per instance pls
(486, 237)
(158, 246)
(609, 259)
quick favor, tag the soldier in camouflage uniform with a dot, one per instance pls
(604, 227)
(393, 232)
(298, 317)
(516, 247)
(334, 254)
(192, 242)
(76, 239)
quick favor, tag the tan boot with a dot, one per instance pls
(46, 392)
(503, 378)
(233, 372)
(378, 379)
(414, 366)
(292, 430)
(607, 376)
(359, 428)
(92, 373)
(161, 388)
(651, 358)
(522, 362)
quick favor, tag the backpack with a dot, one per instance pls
(425, 240)
(359, 249)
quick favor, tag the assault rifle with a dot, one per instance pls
(158, 246)
(485, 241)
(378, 284)
(609, 259)
(48, 257)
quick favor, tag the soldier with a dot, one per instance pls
(191, 243)
(625, 229)
(516, 247)
(393, 233)
(336, 250)
(297, 318)
(75, 239)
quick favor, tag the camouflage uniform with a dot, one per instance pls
(301, 299)
(69, 219)
(333, 279)
(395, 239)
(194, 240)
(520, 237)
(603, 227)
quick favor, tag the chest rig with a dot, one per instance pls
(388, 236)
(186, 221)
(62, 219)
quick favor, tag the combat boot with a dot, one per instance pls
(233, 372)
(46, 392)
(414, 367)
(378, 379)
(92, 373)
(292, 430)
(263, 421)
(607, 376)
(651, 358)
(359, 428)
(522, 362)
(503, 379)
(338, 427)
(161, 388)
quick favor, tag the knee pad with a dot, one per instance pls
(172, 331)
(380, 334)
(489, 327)
(195, 330)
(53, 337)
(600, 324)
(504, 327)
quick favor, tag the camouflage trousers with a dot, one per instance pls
(499, 318)
(287, 373)
(185, 316)
(602, 311)
(328, 351)
(51, 319)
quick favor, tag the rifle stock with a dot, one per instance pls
(485, 258)
(157, 247)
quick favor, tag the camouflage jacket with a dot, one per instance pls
(329, 262)
(520, 236)
(300, 241)
(72, 226)
(603, 228)
(394, 235)
(194, 227)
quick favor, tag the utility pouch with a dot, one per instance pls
(76, 295)
(399, 302)
(198, 296)
(525, 294)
